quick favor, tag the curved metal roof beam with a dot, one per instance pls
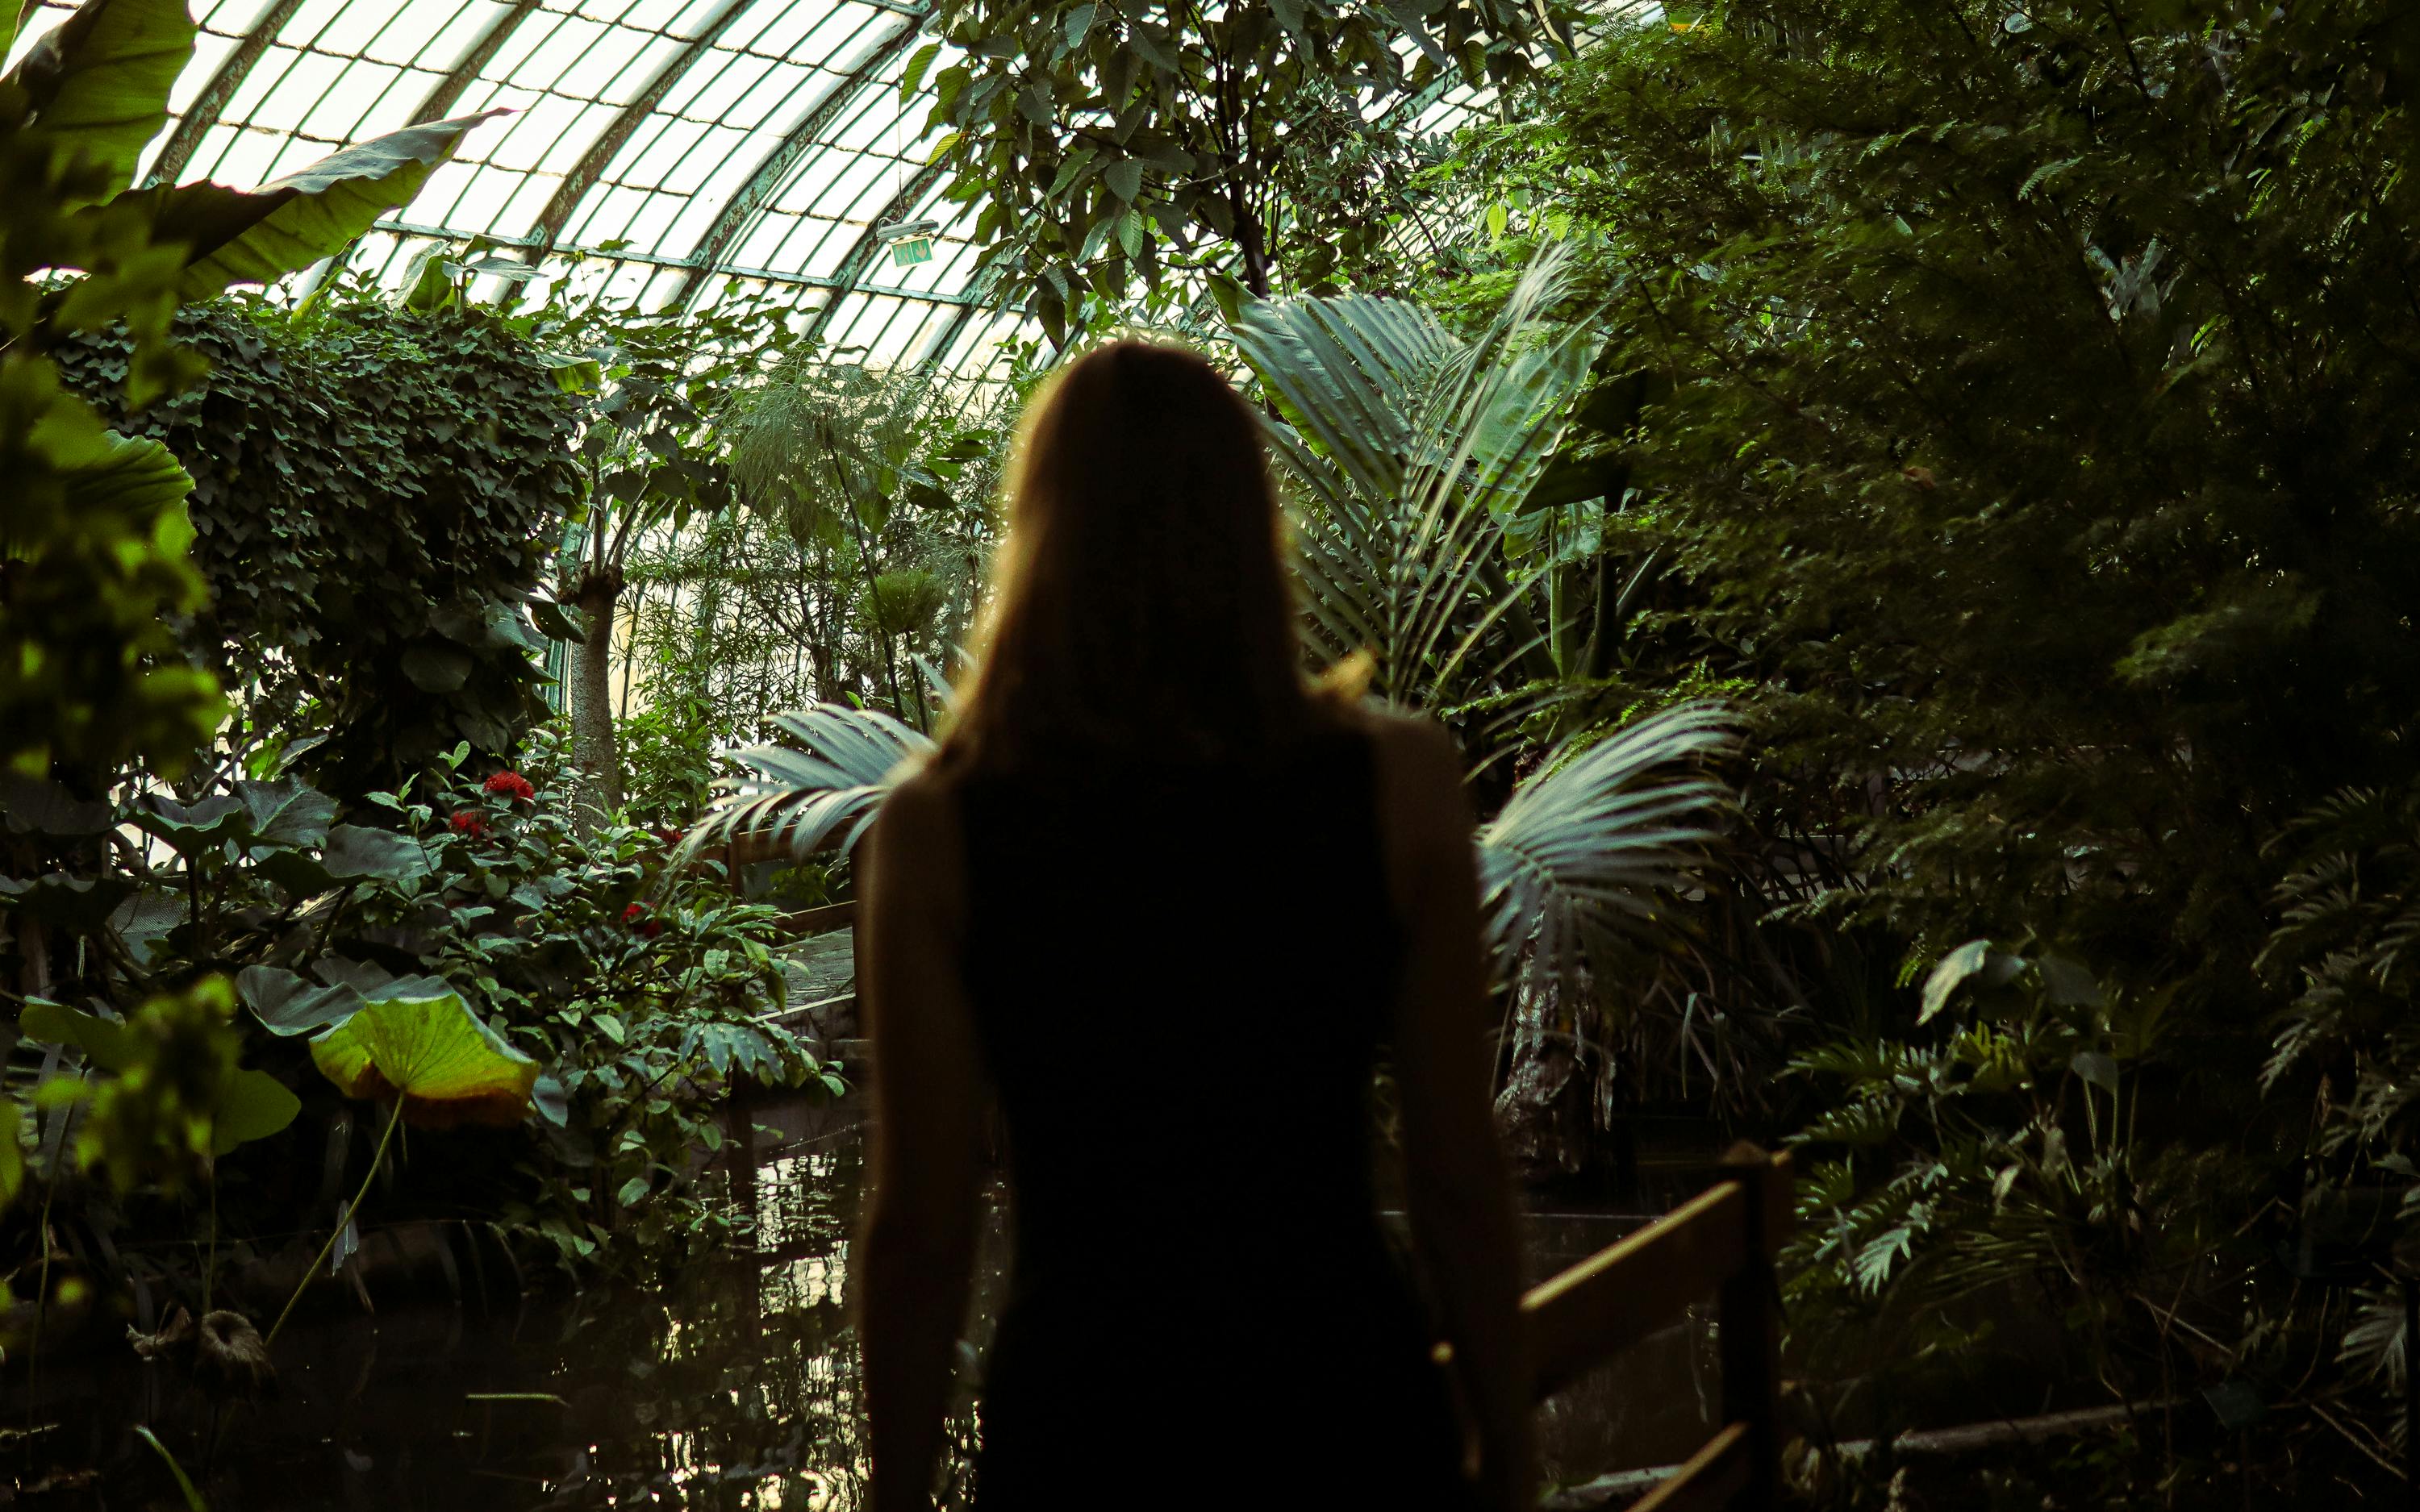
(862, 253)
(433, 106)
(445, 91)
(735, 218)
(947, 337)
(593, 162)
(212, 102)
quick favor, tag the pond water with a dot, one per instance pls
(732, 1387)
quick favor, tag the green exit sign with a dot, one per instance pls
(913, 250)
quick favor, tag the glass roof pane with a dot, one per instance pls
(729, 148)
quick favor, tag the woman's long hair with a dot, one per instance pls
(1139, 605)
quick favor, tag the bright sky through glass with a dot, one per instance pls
(683, 147)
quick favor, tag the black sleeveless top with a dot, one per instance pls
(1180, 977)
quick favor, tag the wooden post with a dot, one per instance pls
(1750, 1318)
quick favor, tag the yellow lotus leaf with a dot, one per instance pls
(433, 1052)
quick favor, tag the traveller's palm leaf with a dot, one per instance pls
(1580, 869)
(821, 788)
(1413, 450)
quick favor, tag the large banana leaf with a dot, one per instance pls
(98, 83)
(1577, 871)
(1414, 449)
(828, 784)
(235, 236)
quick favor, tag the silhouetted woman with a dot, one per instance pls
(1165, 900)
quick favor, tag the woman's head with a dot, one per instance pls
(1139, 601)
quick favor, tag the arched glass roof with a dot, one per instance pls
(688, 149)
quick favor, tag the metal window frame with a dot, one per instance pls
(737, 217)
(212, 102)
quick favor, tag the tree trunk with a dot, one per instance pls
(1543, 1112)
(595, 591)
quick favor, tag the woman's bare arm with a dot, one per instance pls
(916, 1253)
(1458, 1197)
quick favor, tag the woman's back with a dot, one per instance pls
(1174, 973)
(1179, 976)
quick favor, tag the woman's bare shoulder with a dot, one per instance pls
(923, 796)
(1420, 775)
(915, 834)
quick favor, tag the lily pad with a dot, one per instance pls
(433, 1052)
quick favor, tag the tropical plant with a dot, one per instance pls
(2348, 911)
(650, 460)
(475, 934)
(432, 1058)
(384, 634)
(93, 547)
(1978, 461)
(884, 479)
(1415, 452)
(822, 789)
(1427, 533)
(1987, 1199)
(1109, 148)
(160, 1091)
(1422, 453)
(2022, 438)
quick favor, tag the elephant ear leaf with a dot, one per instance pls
(232, 236)
(357, 850)
(189, 829)
(108, 1043)
(286, 1004)
(254, 1105)
(434, 1052)
(97, 85)
(287, 813)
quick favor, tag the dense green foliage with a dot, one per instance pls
(92, 548)
(2007, 415)
(2030, 426)
(1111, 149)
(375, 495)
(630, 1002)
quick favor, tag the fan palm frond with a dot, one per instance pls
(1578, 870)
(1414, 450)
(822, 790)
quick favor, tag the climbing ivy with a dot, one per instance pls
(376, 492)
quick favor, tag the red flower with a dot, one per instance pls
(511, 785)
(631, 915)
(635, 915)
(651, 928)
(467, 822)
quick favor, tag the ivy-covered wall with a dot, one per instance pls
(376, 494)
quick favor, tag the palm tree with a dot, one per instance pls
(1412, 453)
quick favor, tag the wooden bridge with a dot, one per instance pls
(1720, 1244)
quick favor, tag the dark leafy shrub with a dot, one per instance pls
(376, 495)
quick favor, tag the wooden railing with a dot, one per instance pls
(1721, 1244)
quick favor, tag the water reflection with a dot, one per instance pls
(734, 1387)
